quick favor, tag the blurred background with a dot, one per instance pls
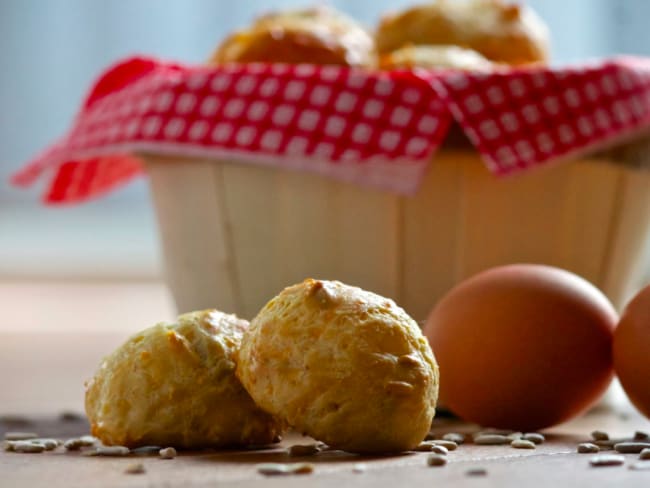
(52, 50)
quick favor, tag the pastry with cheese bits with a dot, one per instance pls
(175, 385)
(500, 31)
(318, 35)
(343, 365)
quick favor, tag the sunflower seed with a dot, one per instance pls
(606, 460)
(454, 437)
(359, 468)
(491, 440)
(436, 460)
(599, 435)
(522, 444)
(20, 436)
(424, 446)
(515, 435)
(167, 453)
(429, 446)
(109, 451)
(449, 445)
(77, 443)
(271, 469)
(303, 450)
(535, 437)
(588, 448)
(641, 436)
(135, 468)
(476, 472)
(504, 432)
(640, 466)
(631, 447)
(15, 420)
(644, 454)
(48, 444)
(24, 446)
(609, 443)
(146, 450)
(439, 449)
(68, 416)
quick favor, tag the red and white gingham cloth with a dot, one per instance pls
(372, 128)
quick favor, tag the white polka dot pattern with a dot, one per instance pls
(524, 118)
(374, 128)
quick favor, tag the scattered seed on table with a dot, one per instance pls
(631, 447)
(270, 469)
(535, 437)
(476, 472)
(588, 448)
(167, 453)
(599, 435)
(439, 450)
(135, 468)
(491, 440)
(24, 446)
(109, 451)
(359, 468)
(424, 446)
(522, 444)
(20, 436)
(641, 436)
(68, 416)
(303, 450)
(436, 460)
(515, 436)
(504, 432)
(146, 450)
(449, 445)
(606, 460)
(429, 446)
(644, 454)
(454, 437)
(77, 443)
(48, 444)
(608, 443)
(639, 466)
(15, 420)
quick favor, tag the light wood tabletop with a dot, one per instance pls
(54, 336)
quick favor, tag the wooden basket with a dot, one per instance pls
(234, 235)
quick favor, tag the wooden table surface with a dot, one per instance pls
(55, 335)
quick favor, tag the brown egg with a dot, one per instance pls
(522, 346)
(632, 351)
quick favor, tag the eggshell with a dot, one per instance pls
(632, 351)
(522, 346)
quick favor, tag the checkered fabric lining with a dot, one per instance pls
(372, 128)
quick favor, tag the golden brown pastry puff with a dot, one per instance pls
(343, 365)
(431, 57)
(175, 385)
(317, 35)
(500, 31)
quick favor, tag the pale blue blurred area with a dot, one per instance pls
(51, 50)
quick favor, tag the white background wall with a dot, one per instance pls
(51, 50)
